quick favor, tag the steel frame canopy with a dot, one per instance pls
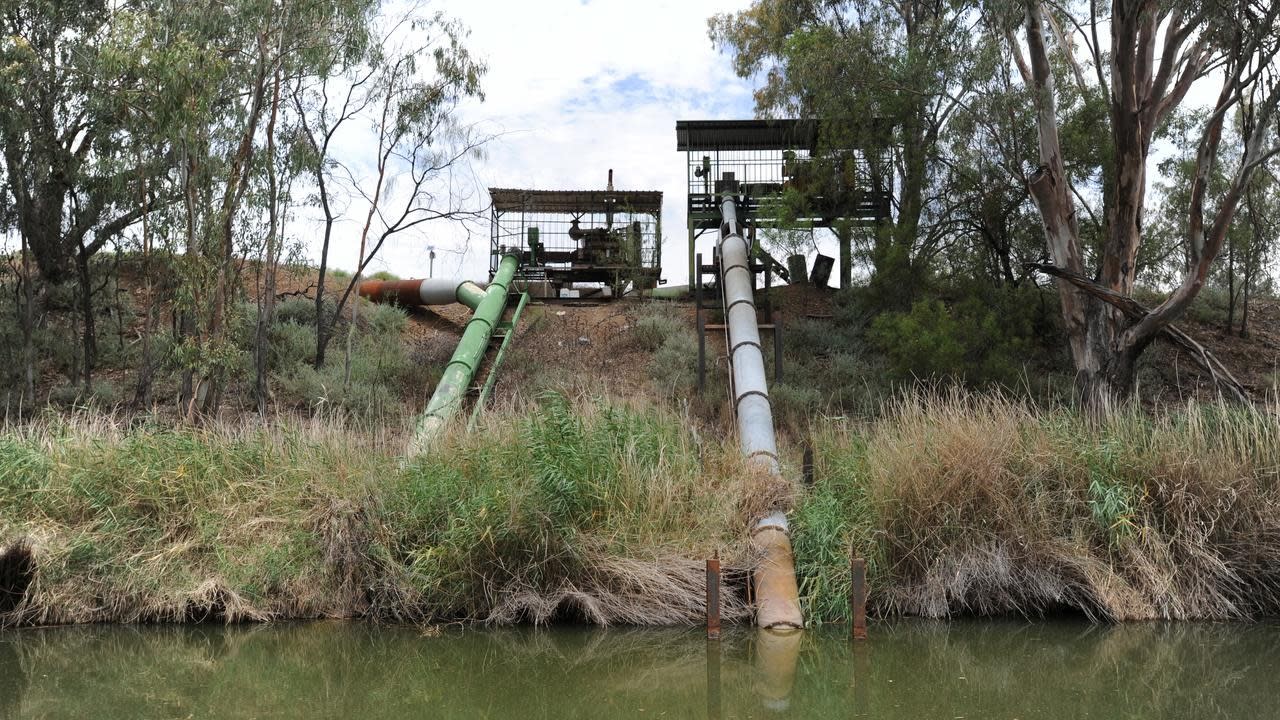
(611, 237)
(843, 168)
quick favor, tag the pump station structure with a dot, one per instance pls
(841, 175)
(742, 175)
(586, 239)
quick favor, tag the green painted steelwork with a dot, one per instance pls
(508, 327)
(470, 294)
(452, 388)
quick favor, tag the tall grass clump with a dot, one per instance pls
(984, 504)
(585, 511)
(153, 523)
(830, 518)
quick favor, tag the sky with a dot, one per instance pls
(575, 88)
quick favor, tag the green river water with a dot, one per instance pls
(908, 669)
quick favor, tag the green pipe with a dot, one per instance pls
(470, 294)
(492, 379)
(452, 388)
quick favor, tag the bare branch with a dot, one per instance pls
(1221, 376)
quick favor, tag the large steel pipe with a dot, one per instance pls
(750, 389)
(777, 597)
(429, 291)
(452, 388)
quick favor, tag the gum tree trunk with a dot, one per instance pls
(1143, 90)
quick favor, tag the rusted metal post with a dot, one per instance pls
(713, 598)
(858, 595)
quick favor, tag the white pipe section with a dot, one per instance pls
(438, 291)
(777, 599)
(775, 520)
(751, 392)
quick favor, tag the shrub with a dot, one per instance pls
(103, 395)
(794, 405)
(291, 344)
(381, 372)
(302, 311)
(657, 322)
(674, 366)
(970, 341)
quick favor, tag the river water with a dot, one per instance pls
(908, 669)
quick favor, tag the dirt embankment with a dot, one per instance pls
(590, 346)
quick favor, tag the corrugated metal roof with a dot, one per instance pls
(576, 201)
(695, 135)
(746, 134)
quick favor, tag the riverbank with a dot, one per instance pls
(603, 512)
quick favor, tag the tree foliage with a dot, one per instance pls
(1015, 114)
(180, 130)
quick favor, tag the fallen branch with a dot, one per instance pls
(1222, 377)
(304, 292)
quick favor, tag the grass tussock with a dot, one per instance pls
(586, 510)
(570, 510)
(986, 505)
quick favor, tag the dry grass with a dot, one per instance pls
(566, 511)
(983, 504)
(555, 509)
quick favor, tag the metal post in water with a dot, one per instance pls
(713, 680)
(858, 595)
(713, 598)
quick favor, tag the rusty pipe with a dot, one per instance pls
(419, 292)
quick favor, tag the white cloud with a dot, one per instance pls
(576, 88)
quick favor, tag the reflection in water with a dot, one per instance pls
(777, 652)
(907, 670)
(713, 680)
(12, 680)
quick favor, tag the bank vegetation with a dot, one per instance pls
(598, 511)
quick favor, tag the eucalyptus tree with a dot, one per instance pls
(216, 74)
(68, 152)
(402, 100)
(324, 107)
(65, 137)
(310, 46)
(1262, 217)
(1250, 240)
(1156, 53)
(913, 64)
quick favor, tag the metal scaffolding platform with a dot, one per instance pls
(579, 237)
(839, 172)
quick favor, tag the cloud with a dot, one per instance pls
(573, 90)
